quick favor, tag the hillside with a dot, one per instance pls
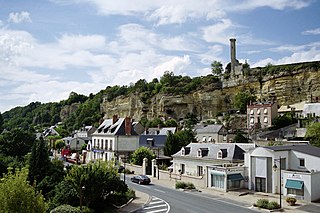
(172, 96)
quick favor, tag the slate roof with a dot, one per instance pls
(118, 128)
(233, 150)
(212, 128)
(303, 148)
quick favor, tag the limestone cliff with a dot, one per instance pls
(289, 85)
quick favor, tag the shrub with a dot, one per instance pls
(273, 205)
(184, 185)
(291, 199)
(65, 209)
(263, 203)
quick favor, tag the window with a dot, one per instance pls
(199, 153)
(251, 112)
(219, 154)
(299, 192)
(265, 119)
(200, 170)
(265, 111)
(301, 162)
(183, 152)
(217, 181)
(204, 139)
(252, 120)
(258, 111)
(224, 137)
(183, 168)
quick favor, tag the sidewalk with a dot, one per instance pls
(241, 196)
(140, 200)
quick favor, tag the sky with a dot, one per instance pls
(50, 48)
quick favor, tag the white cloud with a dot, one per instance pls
(22, 17)
(305, 53)
(274, 4)
(312, 32)
(82, 42)
(218, 32)
(176, 65)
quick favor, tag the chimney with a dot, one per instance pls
(128, 125)
(233, 53)
(114, 119)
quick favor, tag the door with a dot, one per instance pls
(260, 184)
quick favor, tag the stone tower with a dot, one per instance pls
(233, 54)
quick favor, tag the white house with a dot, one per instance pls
(295, 170)
(220, 163)
(113, 138)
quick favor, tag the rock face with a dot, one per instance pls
(286, 87)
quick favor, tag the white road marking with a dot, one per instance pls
(155, 211)
(158, 190)
(155, 202)
(153, 207)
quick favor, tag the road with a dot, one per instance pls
(191, 202)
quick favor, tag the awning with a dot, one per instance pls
(235, 177)
(294, 184)
(217, 173)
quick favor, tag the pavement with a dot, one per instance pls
(243, 196)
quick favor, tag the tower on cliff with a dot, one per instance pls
(233, 54)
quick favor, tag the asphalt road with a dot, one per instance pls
(191, 202)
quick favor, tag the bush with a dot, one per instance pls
(273, 205)
(263, 203)
(65, 209)
(184, 185)
(291, 200)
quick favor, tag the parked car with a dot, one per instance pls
(141, 179)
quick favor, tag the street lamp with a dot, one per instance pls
(275, 169)
(158, 161)
(81, 196)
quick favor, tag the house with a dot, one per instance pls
(50, 132)
(296, 109)
(292, 170)
(261, 114)
(79, 138)
(114, 137)
(311, 110)
(155, 138)
(212, 133)
(214, 161)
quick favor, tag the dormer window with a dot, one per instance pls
(204, 139)
(199, 153)
(219, 154)
(183, 151)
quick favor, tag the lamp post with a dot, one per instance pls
(158, 161)
(275, 169)
(81, 196)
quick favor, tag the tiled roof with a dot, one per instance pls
(212, 128)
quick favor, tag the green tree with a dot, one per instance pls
(178, 140)
(17, 195)
(171, 123)
(63, 193)
(94, 183)
(242, 99)
(216, 68)
(239, 138)
(313, 133)
(16, 143)
(284, 120)
(190, 120)
(142, 152)
(39, 161)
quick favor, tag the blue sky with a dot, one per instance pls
(50, 48)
